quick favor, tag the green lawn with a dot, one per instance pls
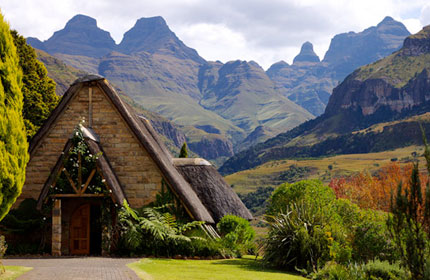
(12, 272)
(239, 269)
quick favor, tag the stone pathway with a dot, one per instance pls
(76, 268)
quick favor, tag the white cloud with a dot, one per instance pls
(425, 15)
(265, 31)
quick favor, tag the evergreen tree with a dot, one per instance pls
(409, 223)
(37, 88)
(184, 152)
(13, 141)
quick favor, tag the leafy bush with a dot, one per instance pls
(236, 234)
(371, 271)
(335, 271)
(371, 239)
(26, 229)
(384, 271)
(310, 190)
(3, 246)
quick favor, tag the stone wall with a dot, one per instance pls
(136, 171)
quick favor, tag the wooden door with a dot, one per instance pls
(80, 231)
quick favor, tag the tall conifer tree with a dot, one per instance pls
(37, 88)
(13, 140)
(184, 151)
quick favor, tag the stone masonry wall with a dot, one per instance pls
(136, 171)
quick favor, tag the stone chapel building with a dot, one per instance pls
(132, 162)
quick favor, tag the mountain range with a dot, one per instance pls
(217, 105)
(220, 108)
(391, 90)
(309, 81)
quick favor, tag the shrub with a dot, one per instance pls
(371, 239)
(335, 271)
(300, 238)
(384, 271)
(310, 190)
(28, 227)
(3, 248)
(236, 234)
(371, 271)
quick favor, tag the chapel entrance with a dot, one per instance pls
(86, 230)
(80, 231)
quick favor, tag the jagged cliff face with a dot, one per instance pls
(394, 85)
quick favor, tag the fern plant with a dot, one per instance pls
(151, 228)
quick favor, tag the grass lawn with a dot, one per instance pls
(12, 272)
(238, 269)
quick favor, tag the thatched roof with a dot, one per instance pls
(213, 191)
(146, 137)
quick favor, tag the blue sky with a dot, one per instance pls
(265, 31)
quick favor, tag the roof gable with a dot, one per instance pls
(103, 166)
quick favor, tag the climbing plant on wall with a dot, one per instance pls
(79, 173)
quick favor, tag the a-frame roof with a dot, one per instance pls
(117, 192)
(145, 135)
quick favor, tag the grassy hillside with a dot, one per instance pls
(280, 171)
(63, 74)
(396, 69)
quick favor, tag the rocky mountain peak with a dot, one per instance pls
(153, 35)
(389, 26)
(81, 21)
(80, 36)
(350, 50)
(306, 54)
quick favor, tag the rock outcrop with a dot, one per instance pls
(307, 54)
